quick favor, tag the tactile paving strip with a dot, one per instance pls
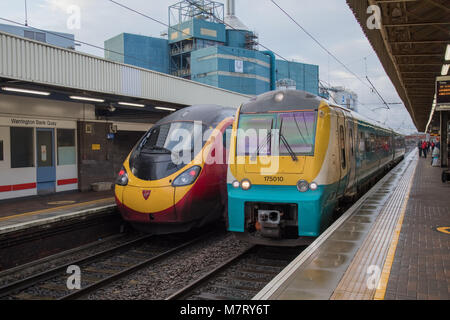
(361, 279)
(319, 269)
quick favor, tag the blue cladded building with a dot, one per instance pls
(141, 51)
(206, 49)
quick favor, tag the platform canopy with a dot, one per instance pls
(411, 43)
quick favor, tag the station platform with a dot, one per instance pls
(23, 213)
(393, 244)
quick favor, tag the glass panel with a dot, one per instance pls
(45, 148)
(40, 36)
(253, 134)
(22, 153)
(168, 136)
(299, 130)
(28, 34)
(66, 147)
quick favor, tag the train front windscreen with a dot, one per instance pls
(295, 130)
(166, 148)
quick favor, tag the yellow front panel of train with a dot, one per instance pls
(148, 200)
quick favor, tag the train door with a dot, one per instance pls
(343, 155)
(351, 147)
(46, 168)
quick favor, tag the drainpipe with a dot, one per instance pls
(273, 79)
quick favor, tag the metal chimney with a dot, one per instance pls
(231, 8)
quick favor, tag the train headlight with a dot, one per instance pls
(245, 184)
(122, 179)
(236, 184)
(187, 177)
(302, 186)
(313, 186)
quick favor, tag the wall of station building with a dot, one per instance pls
(51, 146)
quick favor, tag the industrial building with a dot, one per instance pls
(205, 45)
(59, 39)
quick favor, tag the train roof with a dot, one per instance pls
(288, 100)
(281, 100)
(208, 114)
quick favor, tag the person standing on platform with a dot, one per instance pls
(419, 145)
(424, 149)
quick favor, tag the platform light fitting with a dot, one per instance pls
(132, 104)
(86, 99)
(164, 108)
(444, 70)
(447, 53)
(41, 93)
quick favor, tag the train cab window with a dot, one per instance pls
(342, 146)
(22, 147)
(227, 137)
(254, 134)
(299, 131)
(1, 150)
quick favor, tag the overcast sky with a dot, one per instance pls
(330, 21)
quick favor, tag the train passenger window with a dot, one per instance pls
(66, 147)
(342, 145)
(362, 144)
(1, 150)
(22, 150)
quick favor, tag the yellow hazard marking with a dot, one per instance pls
(55, 209)
(385, 273)
(444, 230)
(61, 202)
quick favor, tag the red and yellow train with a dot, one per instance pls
(174, 179)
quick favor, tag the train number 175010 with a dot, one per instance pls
(274, 179)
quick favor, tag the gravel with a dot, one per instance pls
(168, 276)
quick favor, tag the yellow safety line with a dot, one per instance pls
(382, 285)
(55, 209)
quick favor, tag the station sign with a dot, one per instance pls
(35, 122)
(443, 90)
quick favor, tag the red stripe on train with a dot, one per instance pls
(67, 181)
(24, 186)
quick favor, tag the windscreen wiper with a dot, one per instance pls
(268, 138)
(288, 147)
(160, 148)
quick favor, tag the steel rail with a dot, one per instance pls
(104, 282)
(25, 283)
(195, 284)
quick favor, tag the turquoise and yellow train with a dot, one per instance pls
(293, 157)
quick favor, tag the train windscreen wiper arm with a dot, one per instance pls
(268, 138)
(288, 147)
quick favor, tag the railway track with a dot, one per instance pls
(240, 277)
(97, 270)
